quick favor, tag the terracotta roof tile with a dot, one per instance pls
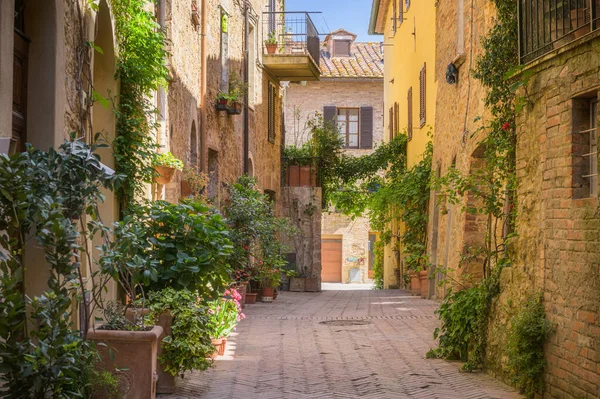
(365, 61)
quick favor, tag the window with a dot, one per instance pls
(409, 119)
(395, 16)
(271, 112)
(396, 119)
(400, 13)
(423, 101)
(407, 4)
(341, 48)
(347, 123)
(585, 148)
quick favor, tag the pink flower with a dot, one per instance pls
(506, 126)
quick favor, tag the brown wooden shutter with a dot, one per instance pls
(329, 113)
(391, 123)
(410, 121)
(423, 101)
(366, 127)
(396, 119)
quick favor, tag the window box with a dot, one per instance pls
(234, 108)
(222, 104)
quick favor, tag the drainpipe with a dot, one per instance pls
(246, 78)
(203, 74)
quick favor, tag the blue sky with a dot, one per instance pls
(352, 15)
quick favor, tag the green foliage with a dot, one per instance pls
(167, 159)
(464, 315)
(225, 314)
(528, 332)
(189, 345)
(41, 195)
(182, 246)
(378, 266)
(271, 38)
(254, 229)
(141, 70)
(105, 385)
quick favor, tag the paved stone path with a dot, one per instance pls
(337, 344)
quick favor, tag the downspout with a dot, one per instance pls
(203, 74)
(246, 78)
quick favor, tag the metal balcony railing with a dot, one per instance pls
(545, 25)
(294, 33)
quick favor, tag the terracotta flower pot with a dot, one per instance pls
(267, 294)
(424, 280)
(415, 283)
(297, 284)
(165, 174)
(251, 298)
(166, 382)
(135, 353)
(220, 345)
(271, 48)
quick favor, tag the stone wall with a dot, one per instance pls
(302, 206)
(224, 132)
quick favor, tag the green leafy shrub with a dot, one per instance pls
(528, 332)
(189, 345)
(41, 195)
(167, 159)
(185, 246)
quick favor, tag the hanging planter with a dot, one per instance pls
(235, 108)
(165, 166)
(222, 102)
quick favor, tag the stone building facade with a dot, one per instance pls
(457, 139)
(205, 138)
(351, 81)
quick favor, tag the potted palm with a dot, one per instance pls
(165, 165)
(271, 42)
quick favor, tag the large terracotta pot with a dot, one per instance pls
(220, 344)
(297, 284)
(135, 353)
(251, 298)
(271, 48)
(166, 382)
(165, 174)
(415, 283)
(301, 176)
(267, 294)
(424, 280)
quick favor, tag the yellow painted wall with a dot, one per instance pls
(405, 52)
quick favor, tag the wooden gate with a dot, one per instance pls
(331, 259)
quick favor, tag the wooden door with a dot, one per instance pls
(19, 104)
(331, 260)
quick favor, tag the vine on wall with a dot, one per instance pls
(142, 70)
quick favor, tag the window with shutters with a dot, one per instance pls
(585, 148)
(271, 112)
(400, 13)
(391, 123)
(394, 16)
(396, 119)
(423, 97)
(409, 119)
(348, 125)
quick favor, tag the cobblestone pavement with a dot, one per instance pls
(337, 344)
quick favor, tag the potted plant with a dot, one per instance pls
(415, 282)
(271, 42)
(271, 280)
(297, 282)
(237, 91)
(185, 344)
(424, 281)
(165, 165)
(223, 102)
(224, 315)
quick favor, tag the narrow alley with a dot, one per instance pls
(337, 344)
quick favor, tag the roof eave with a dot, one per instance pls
(373, 20)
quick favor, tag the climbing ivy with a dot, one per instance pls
(142, 70)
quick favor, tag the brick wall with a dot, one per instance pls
(557, 249)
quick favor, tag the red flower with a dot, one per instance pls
(506, 126)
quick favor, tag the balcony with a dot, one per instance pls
(291, 46)
(545, 25)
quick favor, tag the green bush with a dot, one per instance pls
(528, 332)
(189, 345)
